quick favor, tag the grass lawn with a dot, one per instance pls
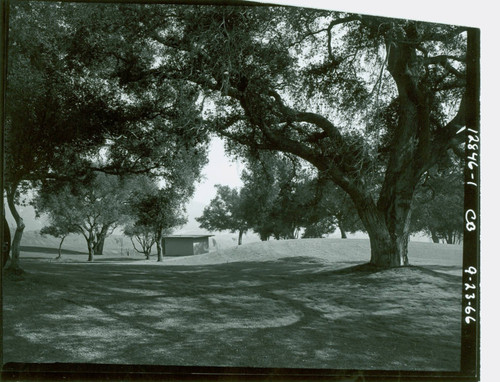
(300, 303)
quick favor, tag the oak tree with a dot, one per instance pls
(70, 109)
(373, 103)
(225, 212)
(94, 207)
(60, 231)
(143, 235)
(159, 210)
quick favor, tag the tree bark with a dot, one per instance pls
(158, 246)
(59, 254)
(388, 222)
(388, 242)
(91, 253)
(18, 234)
(90, 246)
(434, 236)
(100, 246)
(101, 236)
(343, 233)
(5, 242)
(240, 236)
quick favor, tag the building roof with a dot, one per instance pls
(186, 236)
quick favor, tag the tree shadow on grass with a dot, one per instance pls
(440, 271)
(348, 313)
(28, 248)
(367, 268)
(117, 259)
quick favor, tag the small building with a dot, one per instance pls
(184, 245)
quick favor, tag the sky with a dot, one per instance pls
(221, 169)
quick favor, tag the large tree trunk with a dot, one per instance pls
(16, 242)
(240, 236)
(100, 246)
(91, 252)
(5, 241)
(343, 233)
(434, 237)
(158, 249)
(388, 242)
(388, 222)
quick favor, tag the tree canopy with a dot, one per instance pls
(281, 196)
(155, 211)
(372, 103)
(70, 110)
(225, 212)
(93, 207)
(438, 205)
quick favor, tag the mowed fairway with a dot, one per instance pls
(298, 304)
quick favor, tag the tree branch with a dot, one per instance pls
(313, 118)
(334, 23)
(443, 61)
(310, 34)
(447, 136)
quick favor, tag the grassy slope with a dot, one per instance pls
(274, 304)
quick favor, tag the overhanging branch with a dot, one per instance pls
(313, 118)
(443, 61)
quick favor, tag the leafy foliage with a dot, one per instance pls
(225, 212)
(73, 106)
(280, 196)
(275, 198)
(156, 211)
(94, 206)
(144, 236)
(331, 209)
(371, 103)
(438, 205)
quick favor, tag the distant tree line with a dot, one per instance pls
(438, 204)
(95, 206)
(281, 196)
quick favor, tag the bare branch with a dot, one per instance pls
(451, 135)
